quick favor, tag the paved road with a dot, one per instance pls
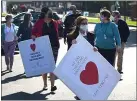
(16, 87)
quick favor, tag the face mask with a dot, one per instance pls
(84, 27)
(31, 18)
(11, 20)
(101, 19)
(70, 12)
(112, 18)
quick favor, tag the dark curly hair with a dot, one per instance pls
(8, 17)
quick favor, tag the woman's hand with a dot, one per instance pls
(74, 41)
(33, 37)
(95, 49)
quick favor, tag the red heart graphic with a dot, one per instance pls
(33, 47)
(89, 76)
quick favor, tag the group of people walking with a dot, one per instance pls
(109, 37)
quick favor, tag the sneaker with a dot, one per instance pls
(53, 88)
(10, 70)
(77, 98)
(120, 72)
(45, 87)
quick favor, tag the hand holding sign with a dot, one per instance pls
(86, 73)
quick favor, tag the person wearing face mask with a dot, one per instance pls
(50, 28)
(82, 29)
(107, 38)
(69, 24)
(9, 40)
(124, 34)
(24, 31)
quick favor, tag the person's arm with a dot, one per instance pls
(19, 31)
(126, 31)
(34, 31)
(56, 27)
(2, 33)
(94, 32)
(66, 22)
(116, 34)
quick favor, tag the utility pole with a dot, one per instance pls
(4, 6)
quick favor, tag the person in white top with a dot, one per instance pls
(9, 41)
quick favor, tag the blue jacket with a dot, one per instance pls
(107, 35)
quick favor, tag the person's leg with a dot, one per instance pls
(69, 42)
(111, 56)
(120, 58)
(6, 52)
(44, 76)
(108, 54)
(52, 76)
(52, 79)
(11, 53)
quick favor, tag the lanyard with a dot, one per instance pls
(104, 32)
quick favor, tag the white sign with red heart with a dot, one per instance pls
(37, 58)
(86, 72)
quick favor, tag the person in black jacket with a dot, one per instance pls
(24, 32)
(70, 23)
(82, 29)
(124, 34)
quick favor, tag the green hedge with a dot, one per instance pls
(97, 20)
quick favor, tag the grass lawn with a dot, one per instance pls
(96, 20)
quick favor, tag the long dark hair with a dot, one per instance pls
(44, 11)
(27, 19)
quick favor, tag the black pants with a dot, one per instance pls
(55, 53)
(109, 55)
(69, 42)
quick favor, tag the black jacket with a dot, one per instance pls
(24, 32)
(52, 31)
(90, 36)
(123, 30)
(70, 23)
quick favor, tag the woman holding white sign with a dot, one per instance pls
(48, 26)
(107, 37)
(82, 29)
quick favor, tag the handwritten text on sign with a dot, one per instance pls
(37, 59)
(86, 72)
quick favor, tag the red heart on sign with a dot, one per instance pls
(89, 76)
(33, 47)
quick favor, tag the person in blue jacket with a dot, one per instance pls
(107, 37)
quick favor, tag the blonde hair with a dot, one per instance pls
(79, 20)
